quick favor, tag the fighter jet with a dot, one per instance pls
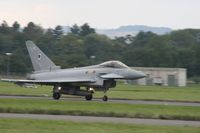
(71, 81)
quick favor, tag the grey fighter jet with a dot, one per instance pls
(71, 81)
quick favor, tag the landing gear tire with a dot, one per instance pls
(105, 98)
(56, 96)
(89, 97)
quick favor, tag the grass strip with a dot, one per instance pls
(92, 108)
(100, 114)
(8, 125)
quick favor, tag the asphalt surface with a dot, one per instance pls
(112, 101)
(102, 119)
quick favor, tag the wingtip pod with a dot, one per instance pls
(4, 80)
(7, 80)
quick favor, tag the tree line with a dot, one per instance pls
(82, 46)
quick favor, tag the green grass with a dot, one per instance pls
(12, 89)
(44, 106)
(52, 126)
(191, 93)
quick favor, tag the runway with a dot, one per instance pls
(110, 100)
(105, 119)
(102, 119)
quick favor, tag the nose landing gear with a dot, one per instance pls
(105, 98)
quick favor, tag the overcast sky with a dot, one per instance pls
(176, 14)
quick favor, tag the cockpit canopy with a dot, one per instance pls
(113, 64)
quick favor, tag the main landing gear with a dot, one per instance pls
(89, 97)
(56, 92)
(56, 95)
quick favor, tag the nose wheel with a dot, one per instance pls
(105, 98)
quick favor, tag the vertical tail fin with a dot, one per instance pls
(39, 60)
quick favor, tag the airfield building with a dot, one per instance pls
(162, 76)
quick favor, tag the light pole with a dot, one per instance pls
(8, 63)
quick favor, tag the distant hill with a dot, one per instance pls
(129, 29)
(133, 30)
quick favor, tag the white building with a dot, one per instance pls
(162, 76)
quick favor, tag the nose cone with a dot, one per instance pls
(140, 74)
(133, 74)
